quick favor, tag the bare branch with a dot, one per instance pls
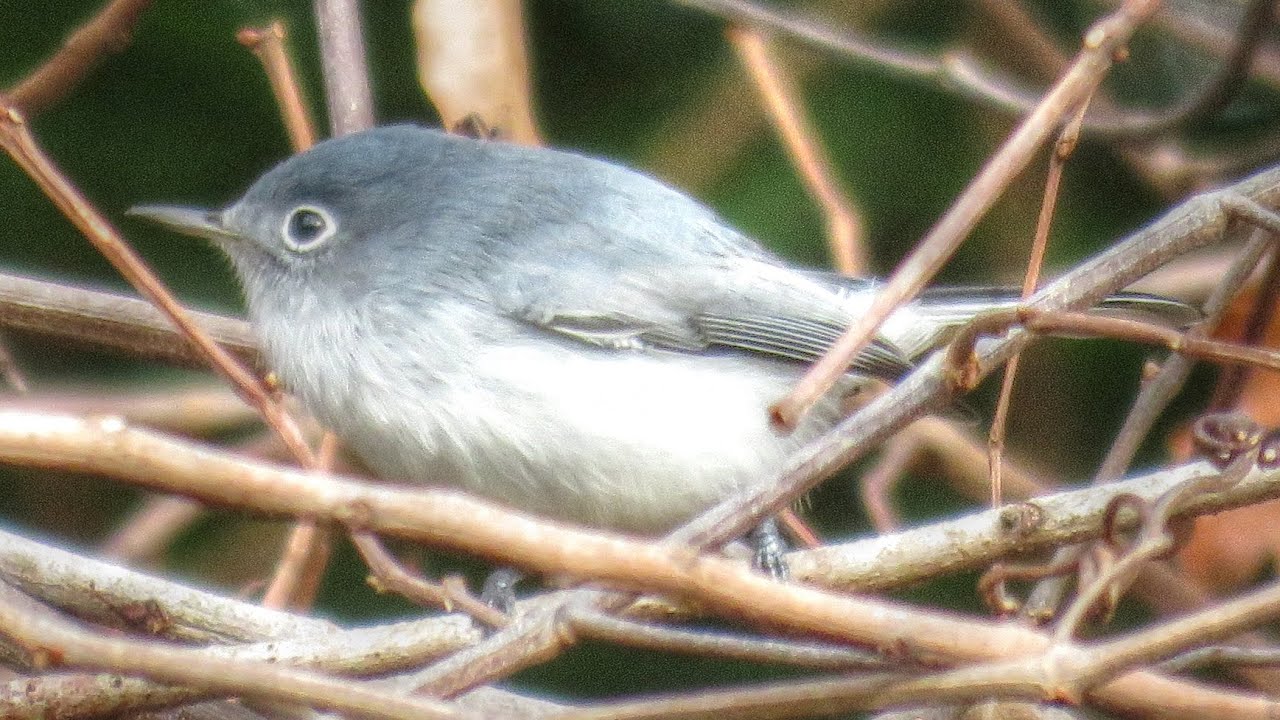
(346, 72)
(1196, 223)
(268, 45)
(108, 32)
(98, 319)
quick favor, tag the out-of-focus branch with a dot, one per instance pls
(473, 63)
(99, 319)
(1146, 409)
(109, 31)
(346, 71)
(268, 45)
(845, 234)
(194, 409)
(960, 72)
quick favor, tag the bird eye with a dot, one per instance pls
(307, 227)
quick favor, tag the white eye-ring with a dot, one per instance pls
(307, 227)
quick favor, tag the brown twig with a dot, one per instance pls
(297, 573)
(535, 635)
(268, 45)
(16, 139)
(845, 233)
(109, 31)
(1151, 401)
(1065, 673)
(147, 532)
(389, 575)
(346, 73)
(961, 351)
(879, 482)
(1101, 45)
(1222, 655)
(100, 319)
(450, 519)
(1062, 150)
(1192, 225)
(1154, 539)
(958, 71)
(190, 409)
(799, 530)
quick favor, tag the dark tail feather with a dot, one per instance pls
(1162, 309)
(964, 302)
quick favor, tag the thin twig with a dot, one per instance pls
(10, 371)
(1255, 21)
(389, 575)
(1063, 672)
(1194, 224)
(845, 233)
(1222, 655)
(268, 44)
(1154, 539)
(535, 635)
(878, 483)
(146, 533)
(1062, 150)
(444, 517)
(958, 71)
(109, 31)
(297, 573)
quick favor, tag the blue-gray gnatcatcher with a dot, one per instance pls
(555, 332)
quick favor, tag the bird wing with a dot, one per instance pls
(725, 302)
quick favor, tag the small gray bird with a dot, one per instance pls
(554, 332)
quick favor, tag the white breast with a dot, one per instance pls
(637, 441)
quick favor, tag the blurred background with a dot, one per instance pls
(185, 115)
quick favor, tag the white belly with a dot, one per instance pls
(634, 441)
